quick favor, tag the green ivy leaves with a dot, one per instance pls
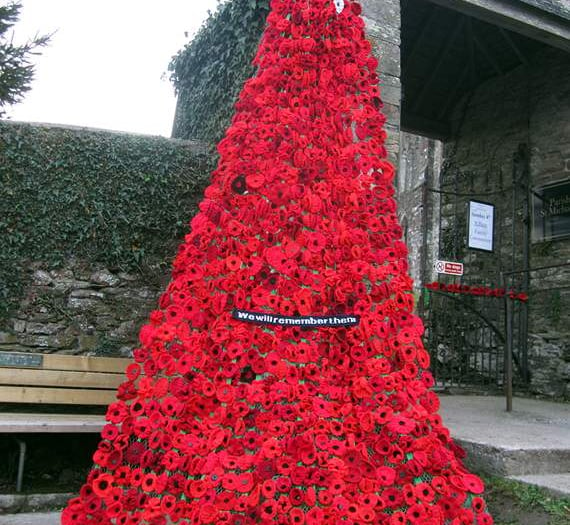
(121, 200)
(210, 71)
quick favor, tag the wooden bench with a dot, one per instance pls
(50, 379)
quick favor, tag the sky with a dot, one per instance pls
(106, 66)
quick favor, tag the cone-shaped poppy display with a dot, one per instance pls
(283, 378)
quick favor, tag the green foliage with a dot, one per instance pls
(122, 200)
(527, 498)
(210, 71)
(16, 69)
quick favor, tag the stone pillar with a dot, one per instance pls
(382, 19)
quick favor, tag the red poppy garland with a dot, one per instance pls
(288, 416)
(484, 291)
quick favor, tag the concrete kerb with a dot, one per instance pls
(40, 518)
(13, 503)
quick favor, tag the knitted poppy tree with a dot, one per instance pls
(283, 378)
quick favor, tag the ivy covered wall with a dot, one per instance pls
(118, 201)
(209, 72)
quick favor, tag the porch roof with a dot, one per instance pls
(449, 47)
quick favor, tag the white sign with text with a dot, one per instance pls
(481, 226)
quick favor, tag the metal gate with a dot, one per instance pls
(466, 335)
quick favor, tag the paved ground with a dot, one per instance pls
(530, 444)
(39, 518)
(533, 424)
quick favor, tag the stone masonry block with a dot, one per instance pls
(382, 12)
(379, 31)
(391, 95)
(388, 56)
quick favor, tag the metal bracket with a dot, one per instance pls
(21, 463)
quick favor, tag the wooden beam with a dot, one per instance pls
(116, 365)
(424, 126)
(451, 98)
(488, 57)
(86, 363)
(516, 16)
(435, 71)
(514, 47)
(57, 396)
(11, 423)
(59, 378)
(426, 32)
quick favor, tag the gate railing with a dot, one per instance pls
(466, 339)
(544, 290)
(484, 340)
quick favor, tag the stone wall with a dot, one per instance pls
(418, 168)
(89, 240)
(383, 27)
(81, 308)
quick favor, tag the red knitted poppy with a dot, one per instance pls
(287, 415)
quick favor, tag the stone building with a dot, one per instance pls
(477, 100)
(477, 95)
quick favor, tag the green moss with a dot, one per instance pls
(525, 500)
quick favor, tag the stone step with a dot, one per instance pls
(32, 503)
(37, 518)
(534, 439)
(556, 484)
(506, 461)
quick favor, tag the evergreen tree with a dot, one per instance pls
(16, 68)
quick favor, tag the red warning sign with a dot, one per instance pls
(449, 268)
